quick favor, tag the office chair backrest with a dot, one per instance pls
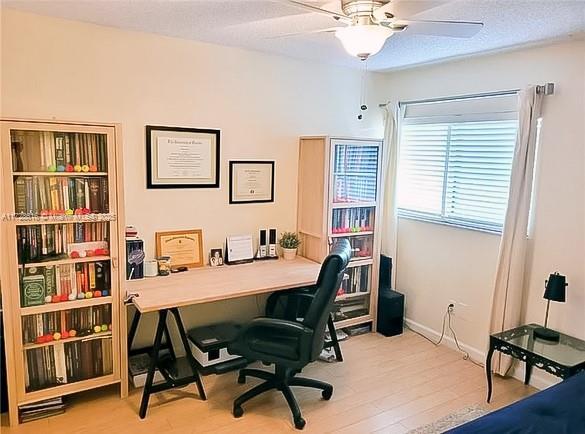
(328, 283)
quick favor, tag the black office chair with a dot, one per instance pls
(293, 304)
(291, 345)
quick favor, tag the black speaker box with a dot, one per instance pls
(390, 303)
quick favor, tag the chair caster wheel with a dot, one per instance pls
(241, 379)
(327, 393)
(300, 423)
(238, 411)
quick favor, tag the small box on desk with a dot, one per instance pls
(209, 347)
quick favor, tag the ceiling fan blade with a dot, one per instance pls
(310, 32)
(405, 8)
(336, 15)
(452, 29)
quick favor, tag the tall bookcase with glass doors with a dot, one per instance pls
(62, 217)
(339, 196)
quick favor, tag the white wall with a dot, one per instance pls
(438, 263)
(53, 68)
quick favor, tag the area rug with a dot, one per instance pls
(450, 421)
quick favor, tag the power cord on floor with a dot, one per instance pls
(447, 319)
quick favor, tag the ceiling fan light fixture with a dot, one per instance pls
(363, 41)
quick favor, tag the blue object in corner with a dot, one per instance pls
(560, 409)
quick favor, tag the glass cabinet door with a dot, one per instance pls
(355, 168)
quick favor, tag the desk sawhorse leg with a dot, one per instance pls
(171, 380)
(334, 343)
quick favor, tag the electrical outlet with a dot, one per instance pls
(451, 308)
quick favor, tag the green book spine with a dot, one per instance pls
(33, 289)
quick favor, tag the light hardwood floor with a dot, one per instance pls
(385, 385)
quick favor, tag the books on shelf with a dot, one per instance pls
(67, 362)
(62, 325)
(348, 220)
(65, 282)
(37, 243)
(41, 409)
(53, 195)
(356, 280)
(59, 151)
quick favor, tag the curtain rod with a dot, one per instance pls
(544, 89)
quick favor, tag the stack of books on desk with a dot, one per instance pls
(42, 409)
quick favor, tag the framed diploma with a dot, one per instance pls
(251, 181)
(182, 157)
(185, 248)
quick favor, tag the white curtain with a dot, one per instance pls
(509, 284)
(392, 116)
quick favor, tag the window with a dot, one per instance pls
(456, 159)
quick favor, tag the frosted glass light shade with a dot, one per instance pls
(363, 41)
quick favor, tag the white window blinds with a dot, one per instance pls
(456, 159)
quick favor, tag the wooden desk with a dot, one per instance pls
(205, 285)
(166, 294)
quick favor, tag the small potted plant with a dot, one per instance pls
(289, 242)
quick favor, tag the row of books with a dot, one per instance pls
(56, 283)
(356, 159)
(40, 242)
(50, 195)
(83, 321)
(348, 220)
(57, 151)
(67, 362)
(357, 280)
(41, 409)
(354, 189)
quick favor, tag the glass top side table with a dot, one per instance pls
(563, 358)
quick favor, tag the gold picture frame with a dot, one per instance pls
(184, 247)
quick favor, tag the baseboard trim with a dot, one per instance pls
(474, 353)
(539, 380)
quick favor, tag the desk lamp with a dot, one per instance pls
(555, 291)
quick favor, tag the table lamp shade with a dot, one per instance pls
(555, 288)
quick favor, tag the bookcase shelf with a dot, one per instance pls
(67, 261)
(84, 174)
(66, 389)
(35, 176)
(351, 234)
(55, 220)
(342, 205)
(64, 305)
(68, 340)
(339, 197)
(354, 295)
(360, 262)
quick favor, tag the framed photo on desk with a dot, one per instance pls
(179, 157)
(251, 181)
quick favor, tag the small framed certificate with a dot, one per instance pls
(182, 157)
(185, 248)
(251, 181)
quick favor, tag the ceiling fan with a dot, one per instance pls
(369, 23)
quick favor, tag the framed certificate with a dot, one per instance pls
(185, 248)
(251, 181)
(182, 157)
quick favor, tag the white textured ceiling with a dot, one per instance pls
(254, 23)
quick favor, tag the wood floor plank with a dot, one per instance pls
(385, 385)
